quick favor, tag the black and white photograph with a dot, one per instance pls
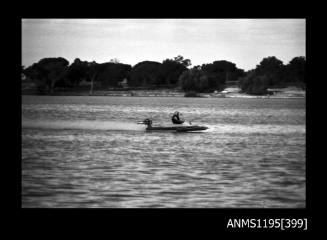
(163, 113)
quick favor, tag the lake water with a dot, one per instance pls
(80, 151)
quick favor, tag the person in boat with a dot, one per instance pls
(148, 122)
(176, 118)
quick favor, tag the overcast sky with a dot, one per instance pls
(242, 41)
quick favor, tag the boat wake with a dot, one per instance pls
(133, 126)
(84, 125)
(255, 129)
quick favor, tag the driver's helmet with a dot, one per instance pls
(148, 121)
(176, 113)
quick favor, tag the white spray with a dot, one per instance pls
(83, 124)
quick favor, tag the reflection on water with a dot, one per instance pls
(89, 152)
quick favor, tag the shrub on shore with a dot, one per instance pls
(254, 84)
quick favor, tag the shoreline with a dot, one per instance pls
(171, 93)
(177, 96)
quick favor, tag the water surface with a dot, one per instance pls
(81, 151)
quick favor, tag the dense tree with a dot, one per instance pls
(171, 70)
(33, 72)
(93, 70)
(180, 59)
(219, 72)
(210, 77)
(194, 80)
(236, 74)
(268, 73)
(75, 73)
(112, 73)
(254, 84)
(272, 68)
(272, 73)
(47, 72)
(145, 73)
(294, 71)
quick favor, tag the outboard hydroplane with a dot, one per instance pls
(173, 127)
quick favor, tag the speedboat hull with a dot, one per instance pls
(191, 128)
(173, 128)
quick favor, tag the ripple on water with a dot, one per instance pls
(77, 152)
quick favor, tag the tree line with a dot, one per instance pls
(50, 74)
(271, 72)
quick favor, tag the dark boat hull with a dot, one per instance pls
(178, 128)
